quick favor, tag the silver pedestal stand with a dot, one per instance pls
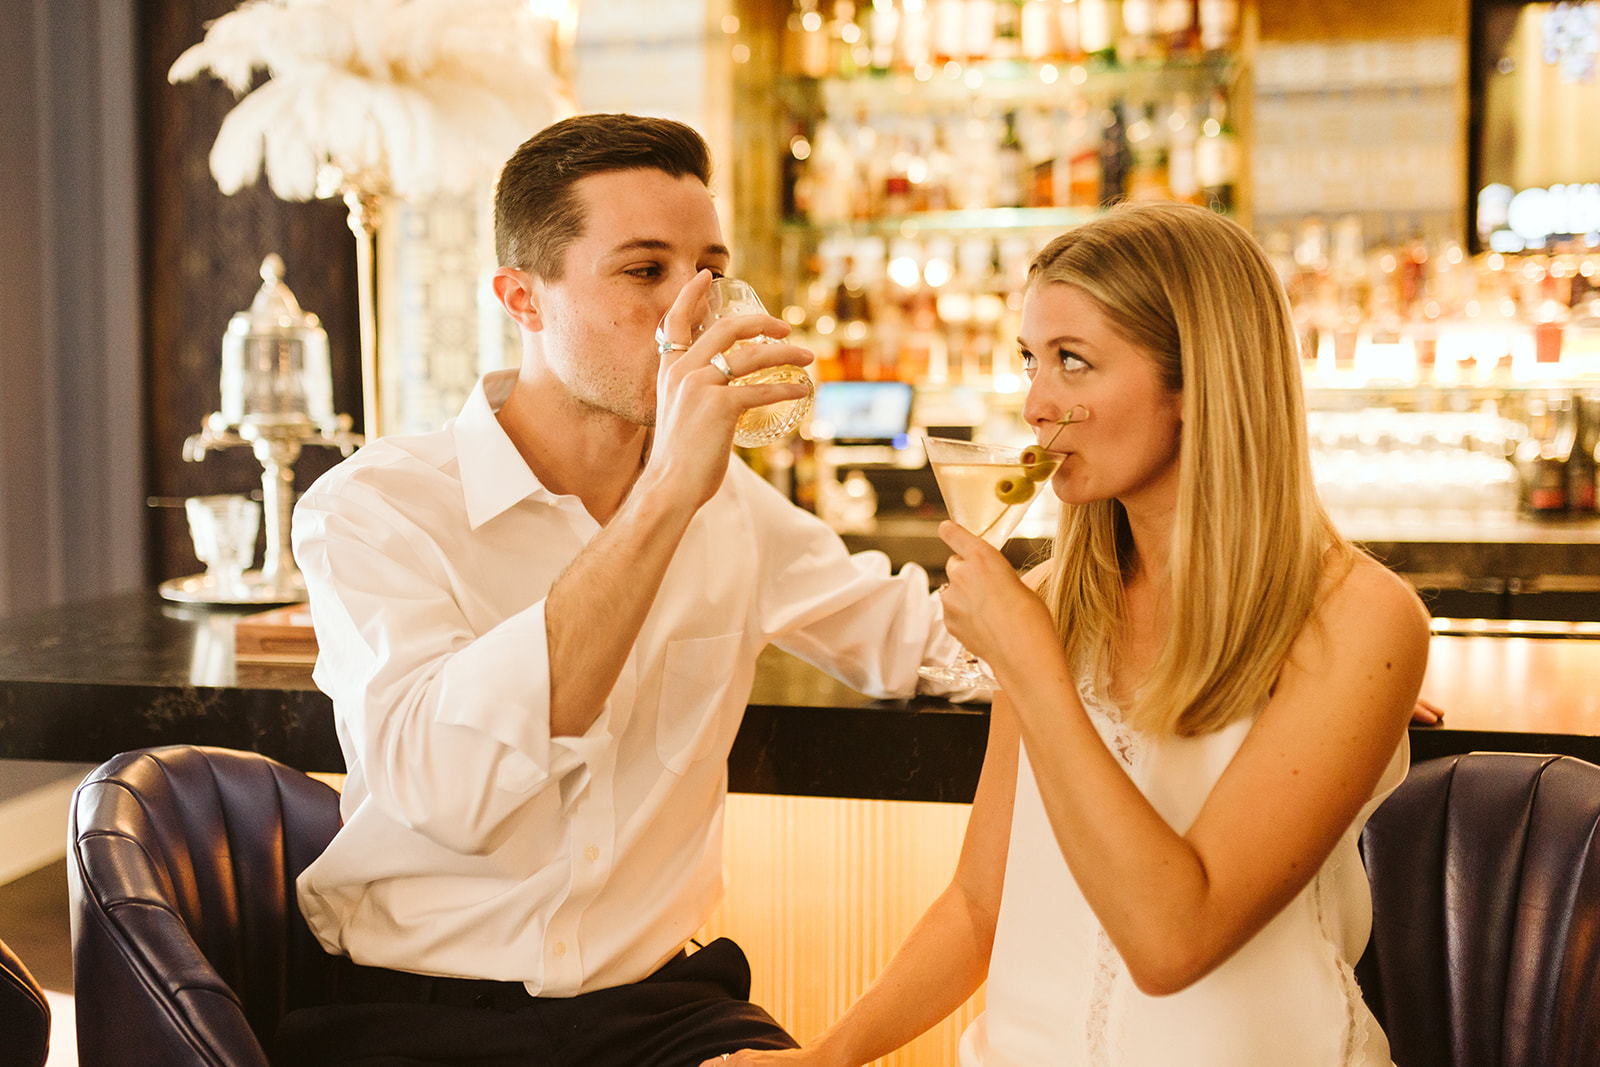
(277, 444)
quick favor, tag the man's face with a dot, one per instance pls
(646, 234)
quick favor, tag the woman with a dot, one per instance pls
(1201, 703)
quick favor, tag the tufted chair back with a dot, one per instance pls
(24, 1015)
(1485, 948)
(187, 943)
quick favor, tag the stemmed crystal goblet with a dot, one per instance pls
(771, 422)
(987, 489)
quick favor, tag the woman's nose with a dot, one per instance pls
(1041, 409)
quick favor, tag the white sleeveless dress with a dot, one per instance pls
(1058, 992)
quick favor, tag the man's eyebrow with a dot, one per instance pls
(655, 244)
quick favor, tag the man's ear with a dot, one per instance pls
(518, 293)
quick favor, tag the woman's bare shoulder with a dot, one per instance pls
(1364, 596)
(1034, 576)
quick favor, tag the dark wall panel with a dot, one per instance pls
(202, 257)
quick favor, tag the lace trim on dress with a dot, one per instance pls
(1109, 973)
(1123, 741)
(1354, 1050)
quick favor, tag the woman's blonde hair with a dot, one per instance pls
(1251, 539)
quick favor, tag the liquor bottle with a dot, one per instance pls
(1182, 177)
(1080, 146)
(1009, 185)
(1549, 314)
(1099, 26)
(883, 32)
(976, 164)
(803, 471)
(948, 27)
(915, 45)
(831, 169)
(1139, 42)
(813, 41)
(1114, 155)
(852, 312)
(1040, 30)
(979, 34)
(1217, 156)
(1177, 23)
(937, 192)
(1583, 467)
(1070, 30)
(897, 189)
(868, 151)
(1219, 24)
(1039, 151)
(1007, 32)
(848, 57)
(917, 348)
(1542, 457)
(796, 182)
(1147, 144)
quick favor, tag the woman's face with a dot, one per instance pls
(1126, 447)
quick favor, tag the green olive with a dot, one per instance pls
(1037, 463)
(1013, 490)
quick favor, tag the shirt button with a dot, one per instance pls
(591, 853)
(561, 949)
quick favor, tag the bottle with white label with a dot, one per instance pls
(1219, 24)
(1098, 28)
(1217, 156)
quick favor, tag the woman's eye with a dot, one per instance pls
(1029, 363)
(1071, 360)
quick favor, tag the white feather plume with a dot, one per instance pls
(406, 97)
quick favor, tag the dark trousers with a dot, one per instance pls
(694, 1008)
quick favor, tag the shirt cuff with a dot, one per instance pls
(499, 685)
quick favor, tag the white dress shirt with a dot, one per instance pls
(474, 843)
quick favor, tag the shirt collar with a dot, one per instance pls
(494, 476)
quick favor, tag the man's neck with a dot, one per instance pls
(574, 449)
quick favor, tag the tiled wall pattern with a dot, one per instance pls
(440, 326)
(431, 268)
(1369, 128)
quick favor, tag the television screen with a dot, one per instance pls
(861, 412)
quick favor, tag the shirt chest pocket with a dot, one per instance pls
(693, 720)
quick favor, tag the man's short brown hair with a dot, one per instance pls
(536, 212)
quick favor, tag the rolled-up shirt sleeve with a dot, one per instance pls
(449, 728)
(847, 614)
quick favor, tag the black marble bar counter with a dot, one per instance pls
(1515, 548)
(84, 682)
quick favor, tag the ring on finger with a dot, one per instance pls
(720, 362)
(664, 346)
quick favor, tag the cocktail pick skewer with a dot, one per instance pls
(1061, 424)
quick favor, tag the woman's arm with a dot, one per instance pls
(945, 957)
(1176, 906)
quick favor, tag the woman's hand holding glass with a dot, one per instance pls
(989, 608)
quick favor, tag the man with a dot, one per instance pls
(539, 627)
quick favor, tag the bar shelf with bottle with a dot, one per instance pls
(1443, 389)
(1039, 81)
(929, 149)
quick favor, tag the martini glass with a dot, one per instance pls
(987, 489)
(771, 422)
